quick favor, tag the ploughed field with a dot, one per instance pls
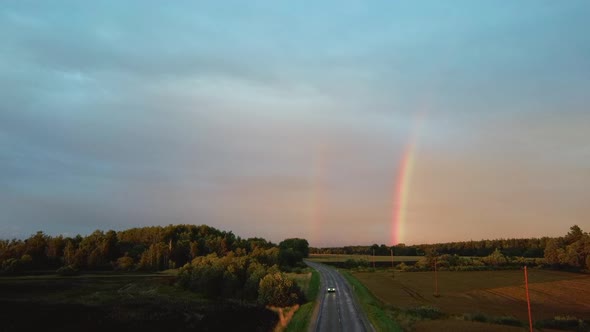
(494, 293)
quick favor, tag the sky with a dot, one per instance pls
(342, 122)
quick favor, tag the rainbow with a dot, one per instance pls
(401, 190)
(401, 194)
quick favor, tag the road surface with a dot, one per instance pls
(338, 311)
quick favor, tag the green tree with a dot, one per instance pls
(292, 251)
(496, 258)
(277, 290)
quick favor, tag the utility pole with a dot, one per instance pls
(528, 299)
(373, 258)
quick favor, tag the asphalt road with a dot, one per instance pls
(338, 311)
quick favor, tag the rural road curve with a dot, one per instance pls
(338, 311)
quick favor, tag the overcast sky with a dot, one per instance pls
(284, 119)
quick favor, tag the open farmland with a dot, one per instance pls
(494, 293)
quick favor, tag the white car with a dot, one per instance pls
(331, 289)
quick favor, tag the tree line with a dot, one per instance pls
(151, 248)
(532, 247)
(571, 251)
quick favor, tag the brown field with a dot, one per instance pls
(494, 293)
(461, 325)
(341, 258)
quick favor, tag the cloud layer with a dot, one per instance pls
(282, 120)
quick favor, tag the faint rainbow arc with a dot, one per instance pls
(402, 186)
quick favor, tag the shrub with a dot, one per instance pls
(562, 323)
(125, 263)
(476, 317)
(507, 320)
(67, 271)
(426, 312)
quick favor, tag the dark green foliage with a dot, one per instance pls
(567, 323)
(571, 251)
(509, 247)
(11, 266)
(67, 271)
(356, 263)
(476, 317)
(425, 312)
(503, 320)
(292, 252)
(277, 290)
(148, 248)
(243, 277)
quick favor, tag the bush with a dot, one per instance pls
(507, 320)
(356, 263)
(476, 317)
(67, 271)
(426, 312)
(124, 263)
(562, 323)
(11, 266)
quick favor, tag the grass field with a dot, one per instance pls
(492, 293)
(342, 258)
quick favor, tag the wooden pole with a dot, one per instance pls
(373, 258)
(528, 299)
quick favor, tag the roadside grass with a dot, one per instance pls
(302, 318)
(377, 314)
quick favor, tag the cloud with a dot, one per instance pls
(117, 115)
